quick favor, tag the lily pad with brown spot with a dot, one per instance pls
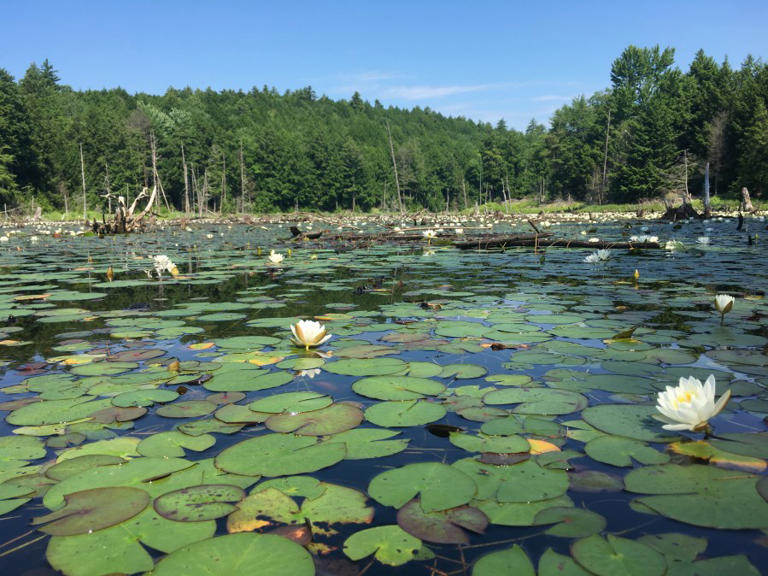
(199, 503)
(90, 510)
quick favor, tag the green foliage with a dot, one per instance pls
(650, 133)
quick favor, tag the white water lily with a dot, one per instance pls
(690, 405)
(164, 264)
(724, 304)
(703, 240)
(309, 333)
(275, 257)
(673, 245)
(598, 256)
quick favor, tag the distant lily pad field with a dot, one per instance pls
(238, 399)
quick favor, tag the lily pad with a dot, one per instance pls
(90, 510)
(291, 403)
(571, 522)
(279, 455)
(615, 556)
(618, 451)
(441, 527)
(631, 421)
(510, 561)
(274, 556)
(390, 545)
(330, 420)
(402, 414)
(546, 401)
(198, 503)
(362, 367)
(440, 486)
(362, 443)
(701, 495)
(397, 387)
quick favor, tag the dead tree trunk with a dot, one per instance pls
(746, 203)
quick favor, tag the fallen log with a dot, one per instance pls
(546, 241)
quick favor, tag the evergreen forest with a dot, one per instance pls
(650, 133)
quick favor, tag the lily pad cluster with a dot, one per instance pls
(465, 398)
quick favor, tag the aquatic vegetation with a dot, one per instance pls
(470, 397)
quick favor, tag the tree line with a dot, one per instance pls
(650, 133)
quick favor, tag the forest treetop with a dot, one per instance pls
(650, 133)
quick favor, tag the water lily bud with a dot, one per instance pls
(724, 303)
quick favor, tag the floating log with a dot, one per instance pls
(543, 241)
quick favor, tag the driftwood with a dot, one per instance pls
(543, 241)
(125, 218)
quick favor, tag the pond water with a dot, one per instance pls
(474, 412)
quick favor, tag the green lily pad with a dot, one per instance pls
(246, 379)
(525, 481)
(675, 546)
(510, 561)
(137, 473)
(330, 420)
(362, 443)
(21, 448)
(105, 552)
(390, 545)
(279, 455)
(403, 414)
(274, 556)
(629, 420)
(618, 451)
(537, 400)
(440, 486)
(618, 556)
(518, 513)
(495, 444)
(553, 564)
(173, 443)
(362, 367)
(463, 371)
(198, 503)
(144, 397)
(91, 510)
(70, 467)
(291, 403)
(397, 387)
(571, 522)
(701, 495)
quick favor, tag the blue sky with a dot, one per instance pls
(483, 60)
